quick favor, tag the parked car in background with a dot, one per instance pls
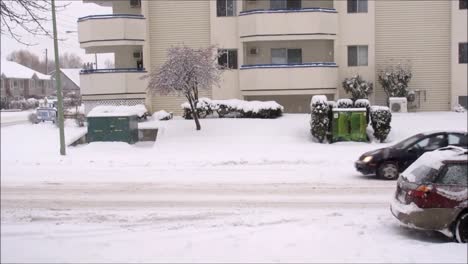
(432, 194)
(388, 162)
(46, 114)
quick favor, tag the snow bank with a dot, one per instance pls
(121, 110)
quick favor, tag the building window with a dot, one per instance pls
(463, 101)
(357, 56)
(463, 4)
(285, 4)
(463, 52)
(135, 3)
(286, 56)
(15, 84)
(226, 8)
(357, 6)
(228, 59)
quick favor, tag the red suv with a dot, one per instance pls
(432, 193)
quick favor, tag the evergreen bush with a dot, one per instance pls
(344, 103)
(381, 117)
(319, 122)
(357, 87)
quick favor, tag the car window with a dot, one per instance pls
(457, 139)
(431, 143)
(423, 174)
(455, 174)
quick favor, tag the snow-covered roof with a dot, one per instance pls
(11, 69)
(73, 75)
(121, 110)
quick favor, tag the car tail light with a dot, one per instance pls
(419, 195)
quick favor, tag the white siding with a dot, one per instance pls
(176, 22)
(418, 31)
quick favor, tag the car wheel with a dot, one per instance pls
(461, 228)
(388, 171)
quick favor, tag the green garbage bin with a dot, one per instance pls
(349, 124)
(113, 128)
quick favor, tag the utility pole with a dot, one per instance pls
(58, 83)
(46, 62)
(95, 59)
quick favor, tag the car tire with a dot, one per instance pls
(461, 228)
(388, 171)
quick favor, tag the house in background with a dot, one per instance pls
(70, 79)
(282, 50)
(18, 81)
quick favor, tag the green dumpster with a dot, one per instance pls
(113, 128)
(349, 124)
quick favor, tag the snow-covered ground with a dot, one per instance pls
(13, 118)
(240, 190)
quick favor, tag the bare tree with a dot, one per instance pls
(31, 60)
(25, 15)
(185, 71)
(70, 60)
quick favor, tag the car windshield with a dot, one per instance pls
(408, 142)
(420, 174)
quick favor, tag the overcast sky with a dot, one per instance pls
(66, 21)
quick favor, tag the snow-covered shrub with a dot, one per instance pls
(33, 118)
(344, 103)
(203, 106)
(162, 115)
(319, 121)
(459, 109)
(357, 87)
(235, 108)
(381, 117)
(22, 104)
(363, 103)
(395, 79)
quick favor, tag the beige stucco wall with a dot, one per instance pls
(224, 35)
(418, 32)
(459, 71)
(355, 29)
(123, 56)
(307, 24)
(312, 50)
(176, 22)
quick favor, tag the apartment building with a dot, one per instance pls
(282, 50)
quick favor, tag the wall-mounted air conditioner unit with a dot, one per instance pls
(137, 55)
(135, 3)
(398, 104)
(253, 51)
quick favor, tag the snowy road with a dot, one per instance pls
(203, 222)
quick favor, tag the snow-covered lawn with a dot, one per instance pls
(8, 118)
(239, 190)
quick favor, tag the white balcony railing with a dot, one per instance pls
(282, 77)
(111, 30)
(306, 23)
(113, 81)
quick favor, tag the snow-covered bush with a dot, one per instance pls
(23, 104)
(344, 103)
(459, 109)
(364, 103)
(235, 108)
(33, 118)
(395, 79)
(357, 87)
(381, 117)
(319, 121)
(162, 115)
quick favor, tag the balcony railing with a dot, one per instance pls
(111, 16)
(91, 71)
(301, 65)
(289, 10)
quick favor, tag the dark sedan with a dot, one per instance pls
(388, 162)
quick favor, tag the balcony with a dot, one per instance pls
(111, 30)
(288, 24)
(123, 82)
(304, 78)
